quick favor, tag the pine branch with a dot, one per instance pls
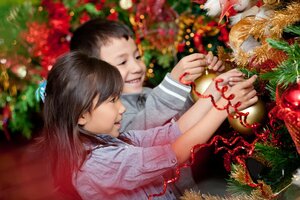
(288, 71)
(283, 164)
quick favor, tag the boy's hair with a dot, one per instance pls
(92, 35)
(73, 83)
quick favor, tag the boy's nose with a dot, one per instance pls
(136, 67)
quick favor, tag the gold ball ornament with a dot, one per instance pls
(257, 114)
(125, 4)
(202, 83)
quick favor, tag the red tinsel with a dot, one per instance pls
(236, 147)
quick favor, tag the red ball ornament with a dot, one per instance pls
(291, 98)
(290, 104)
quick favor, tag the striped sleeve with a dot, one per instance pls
(174, 88)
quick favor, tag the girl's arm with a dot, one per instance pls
(199, 126)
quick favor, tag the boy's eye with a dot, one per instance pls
(123, 63)
(138, 57)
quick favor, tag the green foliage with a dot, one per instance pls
(15, 2)
(180, 6)
(14, 22)
(293, 29)
(24, 107)
(283, 164)
(287, 72)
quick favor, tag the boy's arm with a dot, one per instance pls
(162, 104)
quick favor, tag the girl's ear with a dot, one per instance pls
(83, 119)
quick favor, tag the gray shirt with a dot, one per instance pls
(129, 172)
(155, 107)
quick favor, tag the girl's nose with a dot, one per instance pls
(122, 108)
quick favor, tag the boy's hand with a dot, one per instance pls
(193, 64)
(213, 63)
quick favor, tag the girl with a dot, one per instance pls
(90, 159)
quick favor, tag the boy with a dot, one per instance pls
(146, 108)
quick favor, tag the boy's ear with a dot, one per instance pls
(82, 119)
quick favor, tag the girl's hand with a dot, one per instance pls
(244, 93)
(231, 77)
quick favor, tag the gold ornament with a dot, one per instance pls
(202, 83)
(257, 114)
(125, 4)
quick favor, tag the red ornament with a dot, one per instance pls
(291, 98)
(288, 109)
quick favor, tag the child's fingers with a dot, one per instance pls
(196, 70)
(209, 57)
(235, 79)
(212, 62)
(250, 101)
(193, 57)
(249, 82)
(200, 63)
(220, 69)
(216, 65)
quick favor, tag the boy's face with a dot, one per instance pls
(125, 55)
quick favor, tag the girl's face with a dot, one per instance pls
(125, 55)
(104, 119)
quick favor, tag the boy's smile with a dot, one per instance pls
(125, 55)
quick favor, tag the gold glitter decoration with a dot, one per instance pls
(238, 173)
(268, 193)
(274, 27)
(225, 58)
(193, 195)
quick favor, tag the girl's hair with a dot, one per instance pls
(73, 83)
(92, 35)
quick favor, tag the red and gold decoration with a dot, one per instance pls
(277, 19)
(246, 122)
(288, 109)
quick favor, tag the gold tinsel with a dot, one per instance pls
(268, 193)
(192, 195)
(269, 28)
(238, 173)
(225, 58)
